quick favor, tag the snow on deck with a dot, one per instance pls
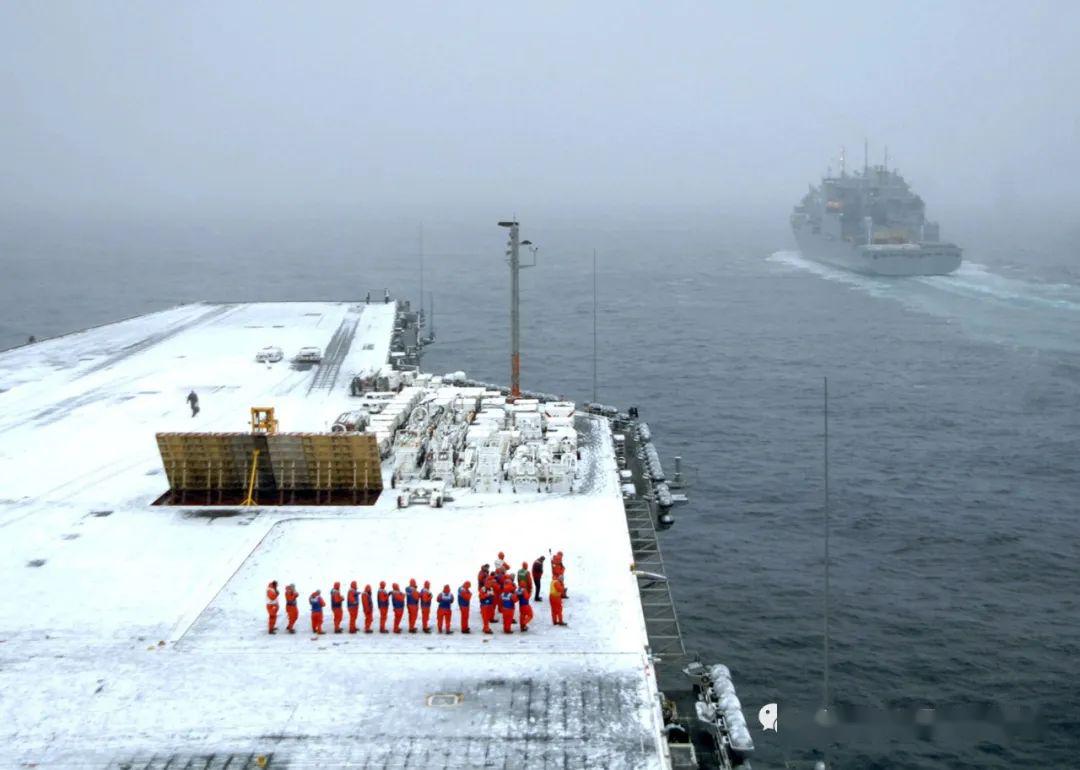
(136, 634)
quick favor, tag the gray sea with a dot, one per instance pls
(954, 435)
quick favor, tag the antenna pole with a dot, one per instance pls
(865, 157)
(421, 308)
(595, 284)
(825, 705)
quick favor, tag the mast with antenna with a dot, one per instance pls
(824, 715)
(513, 252)
(595, 284)
(843, 161)
(865, 157)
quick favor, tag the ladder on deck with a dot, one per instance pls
(661, 621)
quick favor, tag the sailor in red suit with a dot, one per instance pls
(506, 605)
(352, 604)
(365, 600)
(272, 605)
(397, 598)
(464, 598)
(317, 604)
(425, 607)
(525, 613)
(292, 612)
(335, 606)
(446, 601)
(384, 606)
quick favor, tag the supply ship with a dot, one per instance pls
(871, 222)
(140, 535)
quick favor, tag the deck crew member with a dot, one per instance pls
(446, 601)
(193, 400)
(464, 597)
(365, 600)
(397, 598)
(507, 600)
(555, 597)
(425, 607)
(500, 563)
(412, 600)
(525, 614)
(524, 575)
(482, 576)
(335, 606)
(352, 604)
(317, 603)
(292, 612)
(384, 606)
(272, 606)
(538, 576)
(558, 570)
(487, 607)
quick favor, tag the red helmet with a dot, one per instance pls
(367, 588)
(396, 588)
(337, 584)
(468, 584)
(412, 582)
(427, 584)
(446, 588)
(524, 565)
(382, 584)
(352, 585)
(502, 555)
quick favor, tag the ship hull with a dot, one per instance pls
(880, 259)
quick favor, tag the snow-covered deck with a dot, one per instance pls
(135, 633)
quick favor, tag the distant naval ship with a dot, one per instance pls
(871, 222)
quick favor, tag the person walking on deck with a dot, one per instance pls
(292, 612)
(317, 604)
(272, 606)
(193, 402)
(446, 601)
(464, 598)
(538, 576)
(352, 604)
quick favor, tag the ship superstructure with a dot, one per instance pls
(871, 222)
(136, 635)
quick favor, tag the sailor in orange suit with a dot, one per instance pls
(425, 607)
(507, 599)
(292, 612)
(481, 578)
(384, 606)
(464, 597)
(555, 597)
(352, 604)
(397, 598)
(365, 599)
(412, 601)
(524, 575)
(335, 606)
(487, 607)
(525, 613)
(272, 605)
(317, 603)
(559, 571)
(446, 601)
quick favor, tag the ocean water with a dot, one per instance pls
(954, 441)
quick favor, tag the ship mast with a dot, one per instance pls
(513, 249)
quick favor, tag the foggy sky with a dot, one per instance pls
(259, 108)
